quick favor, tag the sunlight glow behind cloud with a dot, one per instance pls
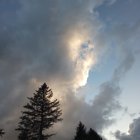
(82, 54)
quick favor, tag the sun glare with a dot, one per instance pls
(74, 43)
(81, 53)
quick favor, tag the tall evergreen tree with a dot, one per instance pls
(93, 135)
(1, 132)
(80, 132)
(40, 114)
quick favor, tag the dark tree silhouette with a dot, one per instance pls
(93, 135)
(40, 114)
(25, 127)
(1, 132)
(80, 132)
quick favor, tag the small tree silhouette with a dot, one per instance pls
(93, 135)
(1, 132)
(80, 132)
(40, 114)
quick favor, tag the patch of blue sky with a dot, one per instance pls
(130, 99)
(130, 96)
(101, 73)
(84, 48)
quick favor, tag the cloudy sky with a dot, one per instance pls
(87, 51)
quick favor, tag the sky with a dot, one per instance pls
(88, 53)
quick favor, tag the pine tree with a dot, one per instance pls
(93, 135)
(25, 126)
(40, 114)
(1, 132)
(80, 132)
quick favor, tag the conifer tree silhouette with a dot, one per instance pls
(1, 132)
(93, 135)
(80, 132)
(40, 114)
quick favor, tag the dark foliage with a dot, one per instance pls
(40, 114)
(81, 133)
(1, 132)
(93, 135)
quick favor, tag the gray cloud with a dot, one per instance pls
(134, 129)
(34, 47)
(37, 47)
(99, 114)
(105, 104)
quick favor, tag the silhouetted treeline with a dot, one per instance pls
(40, 113)
(82, 134)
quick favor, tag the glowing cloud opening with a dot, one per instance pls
(82, 55)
